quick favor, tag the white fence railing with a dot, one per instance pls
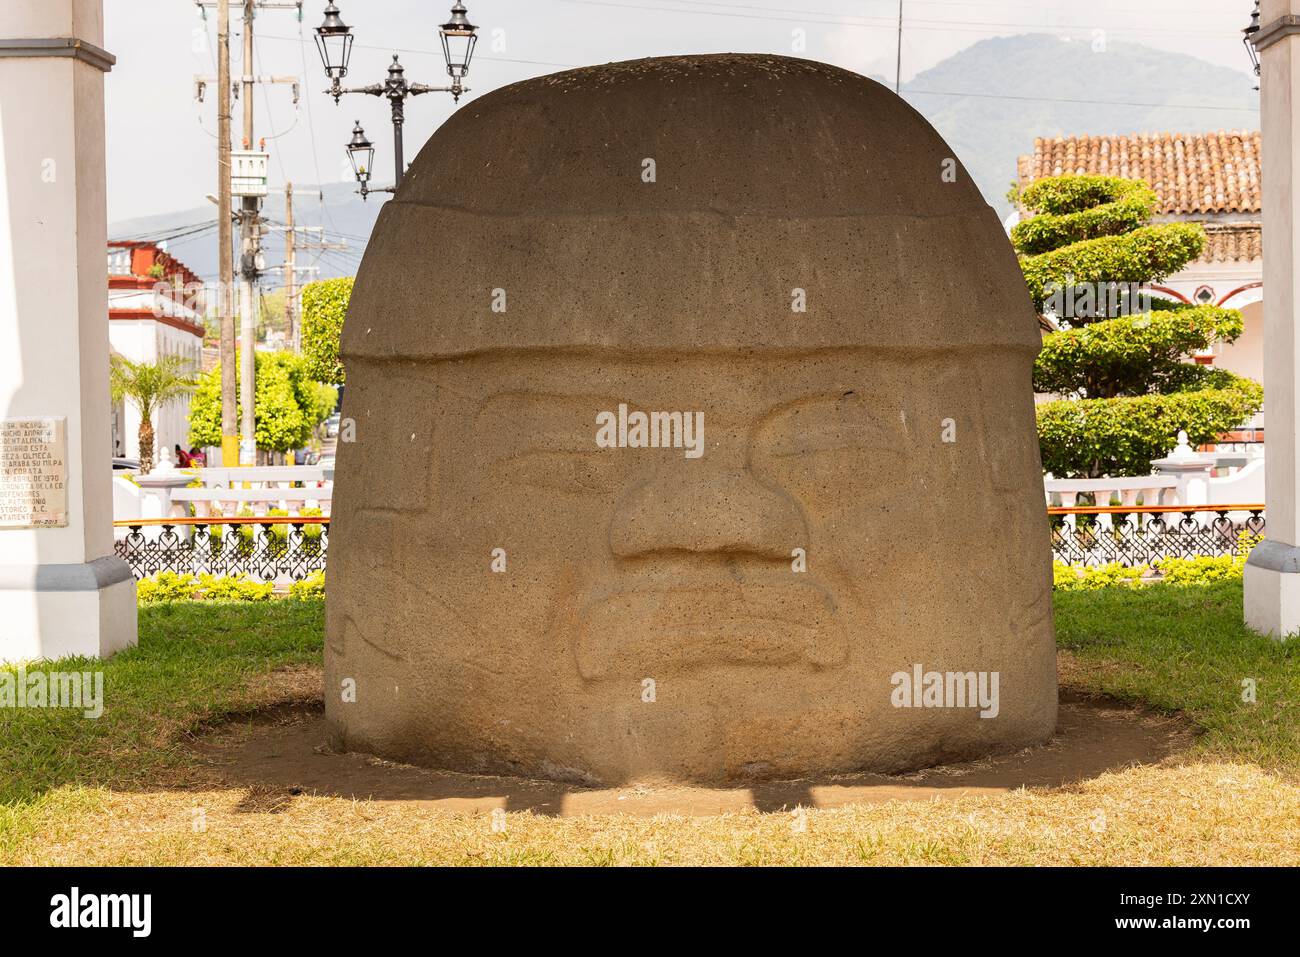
(223, 492)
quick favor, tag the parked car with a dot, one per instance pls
(125, 465)
(332, 426)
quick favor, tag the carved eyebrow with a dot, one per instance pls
(809, 400)
(883, 429)
(554, 421)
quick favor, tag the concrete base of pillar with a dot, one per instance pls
(1272, 603)
(57, 611)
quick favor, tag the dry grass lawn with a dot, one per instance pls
(1194, 814)
(120, 791)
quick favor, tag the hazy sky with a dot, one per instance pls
(161, 142)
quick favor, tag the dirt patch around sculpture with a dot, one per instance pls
(280, 752)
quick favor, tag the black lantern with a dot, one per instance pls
(334, 40)
(362, 154)
(458, 39)
(1248, 38)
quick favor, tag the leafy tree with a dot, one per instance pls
(321, 400)
(324, 306)
(1122, 362)
(148, 386)
(272, 314)
(288, 404)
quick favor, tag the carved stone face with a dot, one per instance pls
(517, 584)
(627, 564)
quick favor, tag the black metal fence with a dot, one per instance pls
(271, 549)
(286, 549)
(1142, 535)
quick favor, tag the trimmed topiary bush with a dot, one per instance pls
(1121, 436)
(1122, 362)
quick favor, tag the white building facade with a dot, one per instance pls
(155, 309)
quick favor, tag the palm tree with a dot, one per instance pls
(148, 386)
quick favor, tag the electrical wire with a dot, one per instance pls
(890, 22)
(166, 235)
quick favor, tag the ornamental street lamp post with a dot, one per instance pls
(334, 41)
(361, 153)
(1248, 39)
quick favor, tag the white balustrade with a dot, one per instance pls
(225, 492)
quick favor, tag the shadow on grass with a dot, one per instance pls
(283, 752)
(1186, 649)
(196, 662)
(1175, 649)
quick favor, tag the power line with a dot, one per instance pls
(166, 235)
(187, 240)
(266, 98)
(1057, 99)
(837, 19)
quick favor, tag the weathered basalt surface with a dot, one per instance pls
(528, 287)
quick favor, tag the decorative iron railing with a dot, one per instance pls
(270, 548)
(289, 548)
(1144, 534)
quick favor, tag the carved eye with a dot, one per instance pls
(596, 471)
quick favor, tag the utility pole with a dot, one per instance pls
(290, 266)
(226, 276)
(898, 63)
(238, 434)
(249, 240)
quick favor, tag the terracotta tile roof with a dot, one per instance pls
(1232, 242)
(1191, 173)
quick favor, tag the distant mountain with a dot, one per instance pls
(989, 101)
(1014, 89)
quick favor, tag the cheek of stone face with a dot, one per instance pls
(391, 460)
(860, 476)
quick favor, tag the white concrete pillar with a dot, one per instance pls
(1272, 603)
(61, 590)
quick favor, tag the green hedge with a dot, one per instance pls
(1201, 570)
(313, 586)
(169, 586)
(1067, 577)
(1087, 438)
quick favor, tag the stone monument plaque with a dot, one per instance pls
(33, 473)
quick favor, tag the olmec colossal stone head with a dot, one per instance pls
(694, 440)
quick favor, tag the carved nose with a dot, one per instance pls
(725, 511)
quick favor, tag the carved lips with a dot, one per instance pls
(656, 628)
